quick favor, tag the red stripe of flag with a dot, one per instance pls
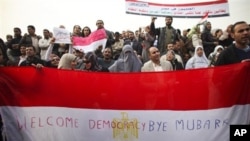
(199, 89)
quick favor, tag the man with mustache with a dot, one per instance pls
(238, 51)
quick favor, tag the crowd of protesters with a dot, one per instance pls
(145, 50)
(149, 49)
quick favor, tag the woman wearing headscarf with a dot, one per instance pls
(170, 56)
(194, 39)
(199, 60)
(127, 61)
(91, 63)
(211, 57)
(67, 62)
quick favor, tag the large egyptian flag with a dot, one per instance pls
(62, 105)
(92, 42)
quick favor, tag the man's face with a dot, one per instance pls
(241, 34)
(30, 51)
(154, 54)
(55, 61)
(46, 34)
(23, 50)
(131, 35)
(168, 21)
(31, 31)
(107, 53)
(170, 47)
(117, 36)
(99, 24)
(136, 33)
(177, 46)
(17, 33)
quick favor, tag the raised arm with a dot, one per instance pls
(154, 31)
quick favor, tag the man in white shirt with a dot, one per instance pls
(44, 43)
(154, 64)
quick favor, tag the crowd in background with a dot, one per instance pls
(148, 49)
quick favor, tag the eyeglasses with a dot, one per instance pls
(99, 23)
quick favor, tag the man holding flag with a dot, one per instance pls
(110, 39)
(100, 37)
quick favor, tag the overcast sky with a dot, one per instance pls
(52, 13)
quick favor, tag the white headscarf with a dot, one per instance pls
(216, 48)
(197, 61)
(65, 61)
(211, 55)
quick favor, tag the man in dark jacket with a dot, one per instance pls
(208, 41)
(240, 50)
(166, 35)
(32, 59)
(31, 39)
(110, 38)
(14, 47)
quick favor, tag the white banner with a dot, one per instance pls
(75, 124)
(61, 35)
(192, 10)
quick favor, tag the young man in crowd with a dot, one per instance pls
(240, 50)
